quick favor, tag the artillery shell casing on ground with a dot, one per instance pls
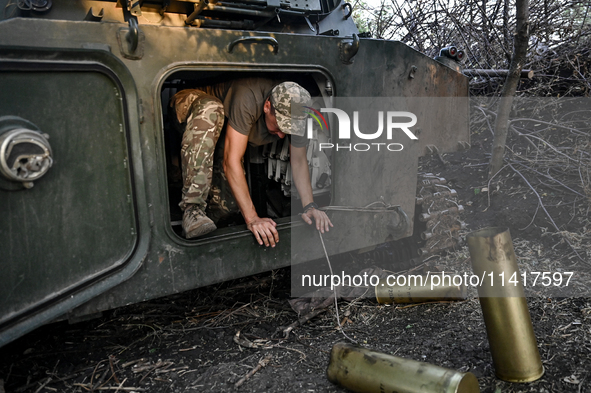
(417, 289)
(362, 370)
(508, 324)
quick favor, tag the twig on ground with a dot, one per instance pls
(307, 317)
(101, 380)
(150, 367)
(532, 219)
(538, 121)
(119, 388)
(43, 385)
(131, 362)
(548, 177)
(422, 304)
(113, 375)
(262, 363)
(546, 211)
(120, 385)
(546, 143)
(293, 349)
(244, 342)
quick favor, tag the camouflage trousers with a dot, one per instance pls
(202, 152)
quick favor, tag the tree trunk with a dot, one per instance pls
(502, 122)
(506, 40)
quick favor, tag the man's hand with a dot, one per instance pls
(264, 231)
(301, 177)
(320, 217)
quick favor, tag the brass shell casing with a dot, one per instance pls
(362, 370)
(418, 290)
(513, 344)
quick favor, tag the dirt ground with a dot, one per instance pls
(211, 338)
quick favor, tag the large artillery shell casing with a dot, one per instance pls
(509, 328)
(417, 289)
(362, 370)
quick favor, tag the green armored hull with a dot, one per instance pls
(89, 207)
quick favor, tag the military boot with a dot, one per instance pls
(196, 223)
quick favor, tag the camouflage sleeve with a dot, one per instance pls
(298, 141)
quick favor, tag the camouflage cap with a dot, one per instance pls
(288, 100)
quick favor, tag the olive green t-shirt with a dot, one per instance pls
(243, 101)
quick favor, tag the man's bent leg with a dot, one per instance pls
(204, 124)
(222, 207)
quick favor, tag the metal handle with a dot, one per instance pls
(265, 40)
(348, 15)
(133, 35)
(348, 49)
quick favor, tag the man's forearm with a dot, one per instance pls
(301, 175)
(301, 178)
(235, 175)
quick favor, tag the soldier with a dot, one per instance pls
(259, 111)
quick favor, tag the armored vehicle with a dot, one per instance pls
(88, 152)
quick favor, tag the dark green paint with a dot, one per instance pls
(77, 221)
(75, 243)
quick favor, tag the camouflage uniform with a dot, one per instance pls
(221, 200)
(204, 115)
